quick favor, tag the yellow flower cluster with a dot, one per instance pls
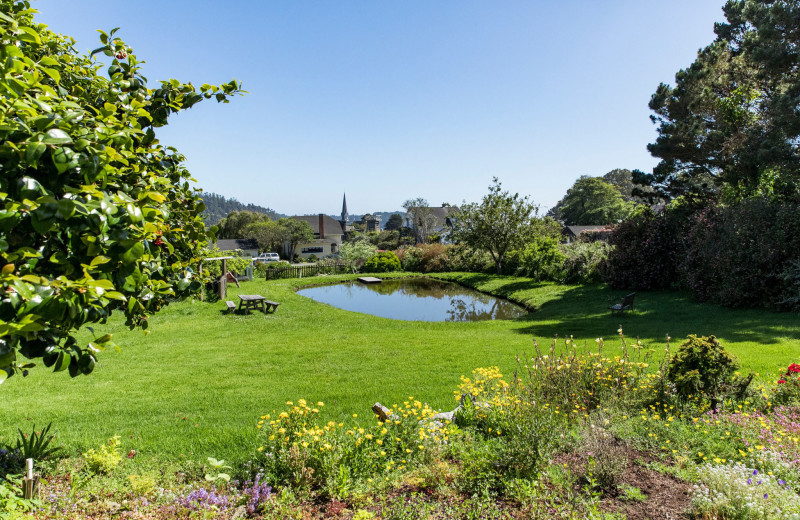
(487, 386)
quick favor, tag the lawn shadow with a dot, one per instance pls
(584, 311)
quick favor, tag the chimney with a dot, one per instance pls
(321, 226)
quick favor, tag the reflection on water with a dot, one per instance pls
(415, 299)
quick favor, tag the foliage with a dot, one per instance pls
(382, 263)
(238, 264)
(235, 224)
(296, 232)
(730, 120)
(106, 459)
(584, 262)
(300, 449)
(37, 445)
(96, 215)
(12, 504)
(738, 255)
(142, 485)
(702, 367)
(500, 223)
(394, 223)
(215, 472)
(787, 389)
(606, 460)
(647, 250)
(219, 207)
(736, 491)
(591, 201)
(356, 253)
(425, 258)
(622, 180)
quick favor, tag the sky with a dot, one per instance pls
(389, 101)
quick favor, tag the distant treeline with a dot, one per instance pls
(218, 207)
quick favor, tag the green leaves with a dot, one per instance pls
(95, 215)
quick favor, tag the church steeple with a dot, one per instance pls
(345, 215)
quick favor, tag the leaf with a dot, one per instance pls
(53, 73)
(62, 362)
(134, 253)
(100, 260)
(64, 159)
(33, 151)
(57, 136)
(66, 208)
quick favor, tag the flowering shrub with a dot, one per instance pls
(425, 258)
(736, 491)
(787, 389)
(204, 499)
(298, 448)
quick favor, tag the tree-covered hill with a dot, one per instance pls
(219, 206)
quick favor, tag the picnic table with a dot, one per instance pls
(256, 301)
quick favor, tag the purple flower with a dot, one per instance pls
(749, 481)
(782, 482)
(765, 495)
(755, 472)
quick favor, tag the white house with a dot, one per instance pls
(328, 235)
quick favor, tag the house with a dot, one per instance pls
(328, 235)
(248, 247)
(430, 221)
(586, 233)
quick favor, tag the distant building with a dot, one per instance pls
(432, 221)
(328, 236)
(248, 246)
(587, 233)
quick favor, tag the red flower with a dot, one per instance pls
(794, 368)
(781, 382)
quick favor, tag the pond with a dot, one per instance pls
(415, 299)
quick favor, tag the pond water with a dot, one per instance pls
(415, 299)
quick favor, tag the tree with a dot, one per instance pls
(622, 180)
(421, 218)
(269, 235)
(356, 253)
(235, 224)
(591, 201)
(394, 223)
(295, 232)
(499, 224)
(96, 215)
(729, 125)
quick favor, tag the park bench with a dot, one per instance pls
(625, 305)
(231, 306)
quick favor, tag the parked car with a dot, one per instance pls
(266, 258)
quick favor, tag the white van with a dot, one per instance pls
(266, 258)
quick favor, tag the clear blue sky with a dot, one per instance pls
(389, 101)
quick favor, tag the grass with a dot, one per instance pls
(195, 386)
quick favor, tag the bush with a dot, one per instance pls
(106, 459)
(382, 263)
(702, 368)
(584, 261)
(466, 259)
(541, 259)
(647, 251)
(425, 258)
(238, 264)
(743, 255)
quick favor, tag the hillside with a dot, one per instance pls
(218, 207)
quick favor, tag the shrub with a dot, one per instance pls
(606, 460)
(238, 264)
(382, 263)
(426, 258)
(743, 255)
(787, 389)
(541, 259)
(584, 261)
(466, 259)
(703, 368)
(106, 459)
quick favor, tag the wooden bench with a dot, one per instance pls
(268, 305)
(231, 306)
(625, 305)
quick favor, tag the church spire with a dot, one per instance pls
(345, 215)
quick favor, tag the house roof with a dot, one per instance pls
(442, 214)
(332, 226)
(236, 243)
(577, 230)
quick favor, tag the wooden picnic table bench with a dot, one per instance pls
(256, 301)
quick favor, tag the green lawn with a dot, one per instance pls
(196, 385)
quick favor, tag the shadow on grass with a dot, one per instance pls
(584, 310)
